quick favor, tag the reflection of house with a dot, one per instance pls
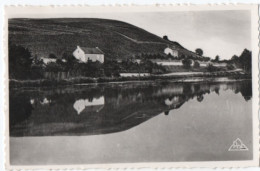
(172, 51)
(170, 90)
(45, 101)
(42, 102)
(137, 61)
(174, 102)
(84, 54)
(87, 105)
(134, 74)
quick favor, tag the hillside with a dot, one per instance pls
(118, 40)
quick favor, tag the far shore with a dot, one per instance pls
(189, 77)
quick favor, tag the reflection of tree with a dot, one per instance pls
(187, 89)
(246, 90)
(200, 98)
(217, 90)
(166, 112)
(197, 87)
(20, 109)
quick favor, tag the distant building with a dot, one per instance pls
(47, 60)
(137, 61)
(172, 51)
(84, 54)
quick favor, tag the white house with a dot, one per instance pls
(172, 51)
(84, 54)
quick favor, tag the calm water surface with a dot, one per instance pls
(130, 122)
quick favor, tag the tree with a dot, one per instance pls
(217, 58)
(211, 68)
(165, 37)
(54, 67)
(196, 64)
(234, 57)
(246, 60)
(70, 60)
(199, 51)
(20, 61)
(52, 55)
(230, 67)
(186, 63)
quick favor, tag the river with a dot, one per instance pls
(130, 122)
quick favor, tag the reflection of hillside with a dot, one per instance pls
(101, 110)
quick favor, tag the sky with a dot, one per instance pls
(223, 33)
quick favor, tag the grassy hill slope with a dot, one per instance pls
(118, 40)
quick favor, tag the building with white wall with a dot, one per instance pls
(84, 54)
(172, 51)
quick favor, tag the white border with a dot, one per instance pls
(43, 12)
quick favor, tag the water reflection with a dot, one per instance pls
(108, 108)
(95, 104)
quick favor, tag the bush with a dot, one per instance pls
(20, 61)
(230, 67)
(212, 68)
(186, 63)
(53, 67)
(36, 72)
(196, 64)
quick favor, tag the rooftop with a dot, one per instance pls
(89, 50)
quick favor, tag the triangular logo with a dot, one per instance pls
(238, 145)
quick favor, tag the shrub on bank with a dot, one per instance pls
(186, 63)
(212, 68)
(196, 64)
(230, 67)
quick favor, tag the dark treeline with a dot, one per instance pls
(243, 61)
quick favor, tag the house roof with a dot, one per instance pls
(172, 47)
(88, 50)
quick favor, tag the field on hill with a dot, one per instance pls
(118, 40)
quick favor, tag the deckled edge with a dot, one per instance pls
(111, 166)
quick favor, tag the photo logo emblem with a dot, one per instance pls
(238, 145)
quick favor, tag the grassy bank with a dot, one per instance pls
(83, 80)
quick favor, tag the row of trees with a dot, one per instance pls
(170, 57)
(243, 61)
(210, 67)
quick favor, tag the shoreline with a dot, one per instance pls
(204, 77)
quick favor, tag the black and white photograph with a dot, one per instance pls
(110, 87)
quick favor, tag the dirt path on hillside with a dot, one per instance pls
(137, 41)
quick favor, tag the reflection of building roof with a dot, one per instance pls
(93, 109)
(88, 50)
